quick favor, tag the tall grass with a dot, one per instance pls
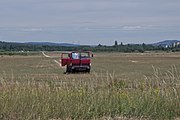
(155, 97)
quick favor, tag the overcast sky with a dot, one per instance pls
(89, 21)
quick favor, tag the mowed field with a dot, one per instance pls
(120, 86)
(126, 66)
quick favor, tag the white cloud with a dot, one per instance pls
(132, 28)
(31, 29)
(114, 17)
(34, 13)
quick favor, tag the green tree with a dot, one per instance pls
(116, 43)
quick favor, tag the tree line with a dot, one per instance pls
(16, 47)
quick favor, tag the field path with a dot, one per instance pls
(47, 56)
(57, 62)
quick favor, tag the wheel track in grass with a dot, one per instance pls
(47, 56)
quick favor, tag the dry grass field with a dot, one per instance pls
(120, 86)
(127, 66)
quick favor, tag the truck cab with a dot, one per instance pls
(76, 61)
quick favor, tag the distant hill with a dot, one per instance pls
(52, 44)
(166, 43)
(48, 46)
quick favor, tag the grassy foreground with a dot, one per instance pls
(155, 97)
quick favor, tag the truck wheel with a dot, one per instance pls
(73, 70)
(68, 69)
(88, 70)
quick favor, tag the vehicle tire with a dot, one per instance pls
(68, 69)
(73, 70)
(88, 70)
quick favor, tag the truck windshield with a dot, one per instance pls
(75, 56)
(80, 55)
(84, 55)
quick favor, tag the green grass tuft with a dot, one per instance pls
(155, 97)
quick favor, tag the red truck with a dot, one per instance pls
(76, 61)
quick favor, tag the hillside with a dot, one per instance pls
(52, 44)
(48, 46)
(166, 43)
